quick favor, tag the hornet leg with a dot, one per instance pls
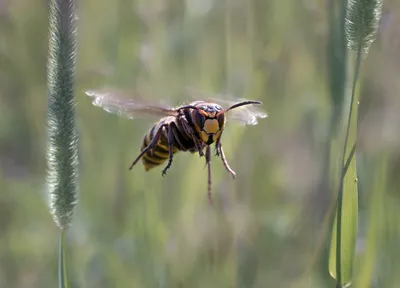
(198, 146)
(217, 149)
(151, 145)
(170, 149)
(208, 162)
(224, 161)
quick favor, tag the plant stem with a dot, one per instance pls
(62, 267)
(343, 171)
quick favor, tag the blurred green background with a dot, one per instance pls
(269, 227)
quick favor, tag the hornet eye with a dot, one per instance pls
(199, 119)
(221, 119)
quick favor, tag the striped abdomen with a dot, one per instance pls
(159, 154)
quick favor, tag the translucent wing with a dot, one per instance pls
(117, 102)
(244, 115)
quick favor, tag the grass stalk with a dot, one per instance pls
(361, 23)
(62, 145)
(353, 128)
(62, 267)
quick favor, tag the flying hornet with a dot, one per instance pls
(190, 127)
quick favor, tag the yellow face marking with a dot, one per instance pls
(211, 126)
(204, 136)
(216, 136)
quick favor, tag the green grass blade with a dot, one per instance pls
(361, 22)
(345, 226)
(348, 229)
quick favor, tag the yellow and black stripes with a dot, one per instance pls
(160, 153)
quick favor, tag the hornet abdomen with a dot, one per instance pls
(159, 154)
